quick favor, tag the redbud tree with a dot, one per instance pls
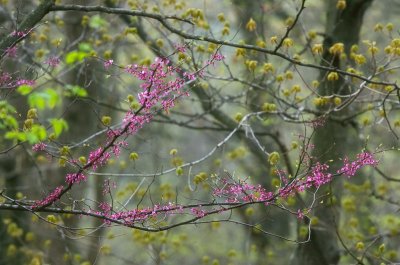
(151, 126)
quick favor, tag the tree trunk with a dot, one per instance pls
(333, 140)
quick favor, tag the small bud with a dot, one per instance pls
(315, 83)
(337, 101)
(341, 4)
(251, 25)
(28, 124)
(273, 158)
(179, 171)
(333, 76)
(240, 52)
(160, 43)
(225, 31)
(62, 161)
(238, 117)
(381, 248)
(82, 159)
(312, 34)
(337, 48)
(221, 17)
(249, 211)
(317, 49)
(32, 113)
(289, 75)
(106, 120)
(389, 27)
(173, 152)
(268, 107)
(251, 65)
(268, 67)
(360, 246)
(51, 218)
(133, 156)
(287, 42)
(64, 150)
(261, 44)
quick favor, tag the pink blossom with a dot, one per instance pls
(25, 82)
(300, 214)
(105, 207)
(18, 33)
(318, 122)
(98, 157)
(135, 122)
(350, 168)
(39, 147)
(217, 57)
(51, 198)
(318, 176)
(75, 178)
(160, 83)
(107, 186)
(11, 52)
(242, 191)
(53, 61)
(180, 48)
(198, 212)
(5, 78)
(116, 149)
(108, 63)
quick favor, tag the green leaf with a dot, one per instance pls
(4, 106)
(53, 98)
(48, 98)
(36, 134)
(24, 89)
(75, 56)
(15, 135)
(59, 125)
(71, 57)
(85, 47)
(97, 22)
(76, 91)
(81, 56)
(36, 100)
(11, 122)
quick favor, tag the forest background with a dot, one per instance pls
(199, 132)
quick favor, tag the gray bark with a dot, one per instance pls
(333, 140)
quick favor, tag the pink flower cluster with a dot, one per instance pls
(317, 177)
(19, 33)
(74, 178)
(116, 149)
(49, 199)
(5, 78)
(108, 63)
(98, 157)
(350, 168)
(105, 207)
(25, 82)
(39, 147)
(161, 87)
(241, 191)
(139, 215)
(198, 212)
(134, 122)
(53, 61)
(11, 52)
(159, 83)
